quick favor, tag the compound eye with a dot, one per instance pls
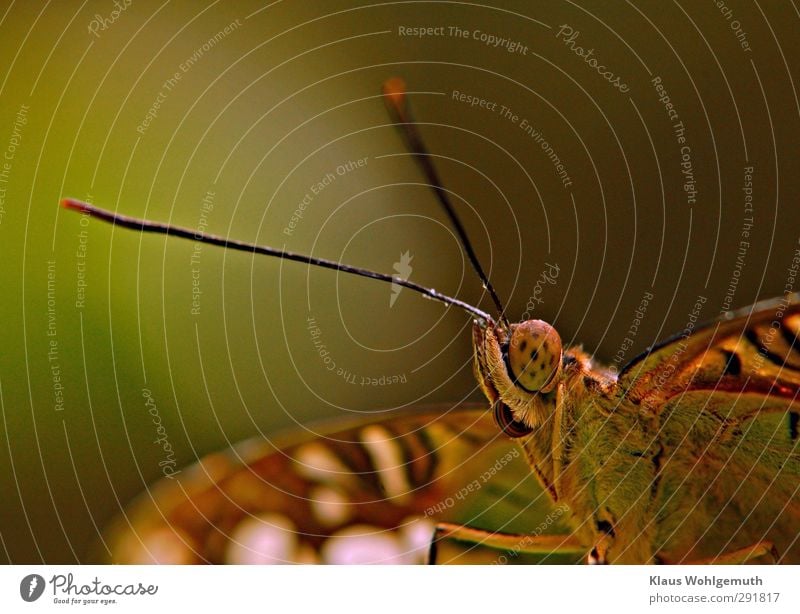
(534, 355)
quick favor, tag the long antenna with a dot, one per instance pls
(187, 233)
(394, 94)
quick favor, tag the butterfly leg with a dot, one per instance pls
(514, 542)
(742, 555)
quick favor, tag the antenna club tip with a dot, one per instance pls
(75, 205)
(394, 90)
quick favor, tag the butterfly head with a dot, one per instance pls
(518, 368)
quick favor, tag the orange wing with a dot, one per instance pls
(751, 351)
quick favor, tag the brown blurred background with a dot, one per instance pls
(251, 108)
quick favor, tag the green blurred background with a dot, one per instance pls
(264, 111)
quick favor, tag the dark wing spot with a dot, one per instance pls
(604, 526)
(789, 336)
(523, 346)
(541, 367)
(656, 460)
(752, 337)
(733, 364)
(794, 422)
(534, 355)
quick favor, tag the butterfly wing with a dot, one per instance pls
(722, 404)
(367, 493)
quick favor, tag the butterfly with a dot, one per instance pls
(689, 454)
